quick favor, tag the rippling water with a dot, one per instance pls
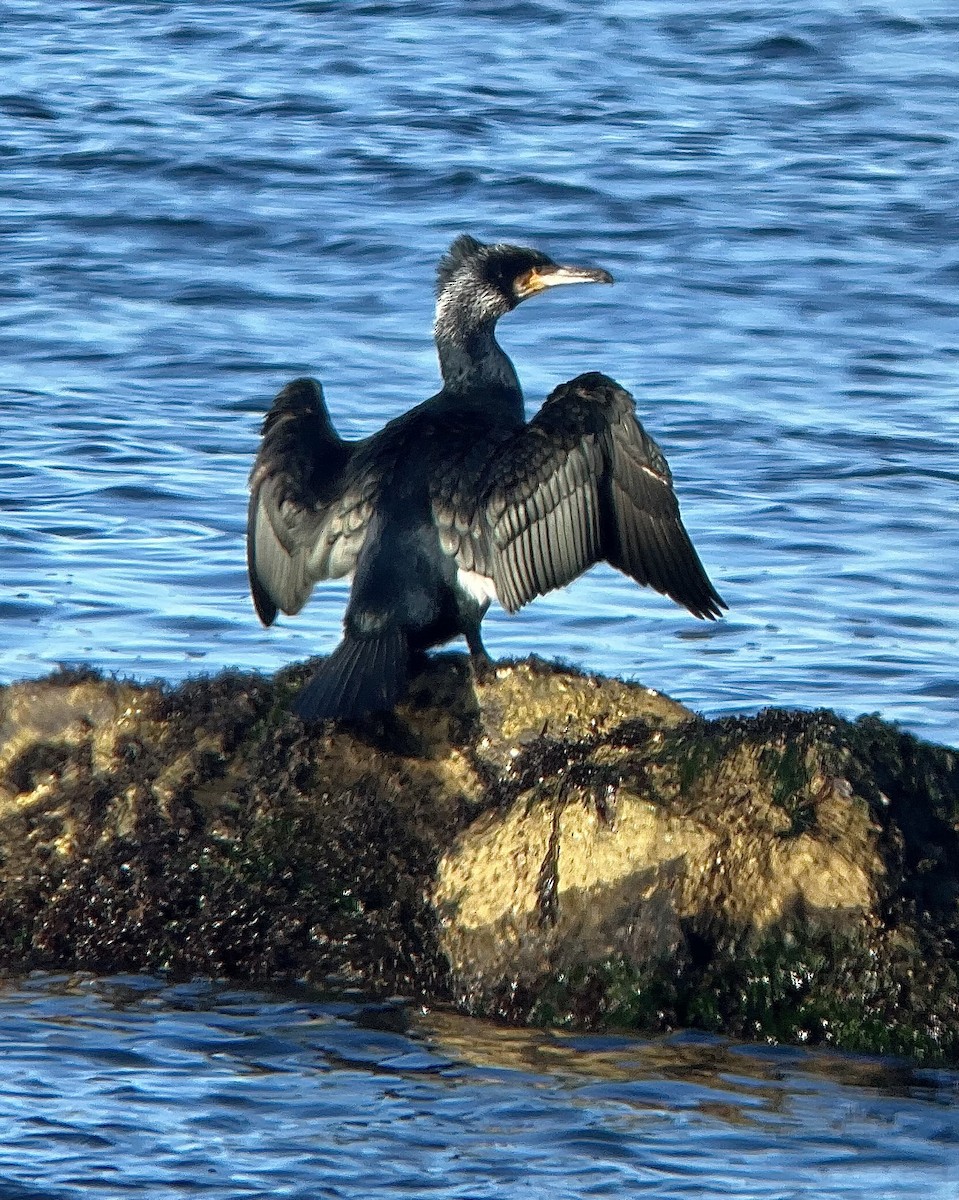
(199, 201)
(127, 1087)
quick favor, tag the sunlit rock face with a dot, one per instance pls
(547, 846)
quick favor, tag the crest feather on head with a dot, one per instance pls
(463, 248)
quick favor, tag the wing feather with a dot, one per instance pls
(652, 545)
(303, 524)
(582, 482)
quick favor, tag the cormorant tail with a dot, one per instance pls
(361, 676)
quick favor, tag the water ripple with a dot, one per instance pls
(200, 204)
(145, 1088)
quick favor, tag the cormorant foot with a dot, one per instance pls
(484, 669)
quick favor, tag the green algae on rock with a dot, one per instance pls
(546, 847)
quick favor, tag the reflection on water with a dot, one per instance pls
(129, 1086)
(200, 201)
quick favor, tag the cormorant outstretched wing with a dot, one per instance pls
(302, 524)
(581, 483)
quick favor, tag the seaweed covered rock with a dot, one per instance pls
(547, 847)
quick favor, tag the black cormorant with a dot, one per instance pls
(459, 500)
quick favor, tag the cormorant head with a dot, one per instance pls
(490, 280)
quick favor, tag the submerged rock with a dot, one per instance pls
(547, 847)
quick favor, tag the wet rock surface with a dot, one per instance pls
(546, 847)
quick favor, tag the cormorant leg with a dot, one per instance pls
(483, 666)
(419, 661)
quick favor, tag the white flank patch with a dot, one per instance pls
(480, 587)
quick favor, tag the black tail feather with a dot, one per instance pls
(361, 676)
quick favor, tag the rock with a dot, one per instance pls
(547, 847)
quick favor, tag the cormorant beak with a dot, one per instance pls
(538, 279)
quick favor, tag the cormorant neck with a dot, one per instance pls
(471, 359)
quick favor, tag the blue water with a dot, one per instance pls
(129, 1088)
(198, 202)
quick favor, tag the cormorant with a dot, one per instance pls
(459, 500)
